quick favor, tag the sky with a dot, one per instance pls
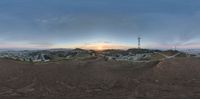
(99, 24)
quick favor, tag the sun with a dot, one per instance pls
(100, 48)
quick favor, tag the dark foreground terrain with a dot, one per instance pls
(100, 79)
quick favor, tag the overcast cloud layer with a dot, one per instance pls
(75, 23)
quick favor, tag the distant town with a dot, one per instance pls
(135, 55)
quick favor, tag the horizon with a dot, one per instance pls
(38, 49)
(99, 24)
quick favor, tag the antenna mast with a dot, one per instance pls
(139, 45)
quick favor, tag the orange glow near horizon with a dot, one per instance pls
(104, 46)
(96, 46)
(100, 48)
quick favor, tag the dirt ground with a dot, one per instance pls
(100, 79)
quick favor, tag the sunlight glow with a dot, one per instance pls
(100, 48)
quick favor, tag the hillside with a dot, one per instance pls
(100, 79)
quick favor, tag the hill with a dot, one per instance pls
(100, 79)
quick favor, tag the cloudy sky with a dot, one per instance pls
(99, 23)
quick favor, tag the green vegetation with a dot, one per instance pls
(156, 56)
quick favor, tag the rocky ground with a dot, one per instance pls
(99, 79)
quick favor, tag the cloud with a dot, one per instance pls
(49, 22)
(41, 44)
(25, 45)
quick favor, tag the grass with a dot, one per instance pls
(156, 57)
